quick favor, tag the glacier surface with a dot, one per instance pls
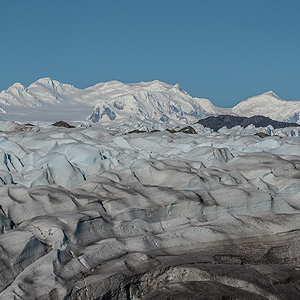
(95, 213)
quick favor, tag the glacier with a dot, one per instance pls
(101, 213)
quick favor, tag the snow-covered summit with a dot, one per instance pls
(151, 102)
(53, 85)
(269, 105)
(18, 95)
(39, 93)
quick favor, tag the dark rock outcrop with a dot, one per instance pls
(187, 129)
(262, 134)
(229, 121)
(62, 124)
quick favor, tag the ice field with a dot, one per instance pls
(91, 213)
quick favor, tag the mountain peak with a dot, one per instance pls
(267, 97)
(44, 79)
(269, 105)
(272, 94)
(15, 90)
(49, 85)
(17, 86)
(155, 84)
(47, 81)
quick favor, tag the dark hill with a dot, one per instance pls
(229, 121)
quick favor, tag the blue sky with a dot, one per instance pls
(223, 50)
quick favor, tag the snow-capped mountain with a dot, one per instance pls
(111, 102)
(149, 102)
(43, 100)
(269, 105)
(115, 103)
(43, 91)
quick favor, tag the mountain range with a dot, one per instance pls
(115, 103)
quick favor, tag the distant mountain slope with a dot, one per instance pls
(115, 103)
(43, 100)
(112, 103)
(149, 102)
(43, 91)
(268, 105)
(230, 121)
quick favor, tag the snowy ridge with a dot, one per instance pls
(269, 105)
(153, 102)
(39, 93)
(114, 104)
